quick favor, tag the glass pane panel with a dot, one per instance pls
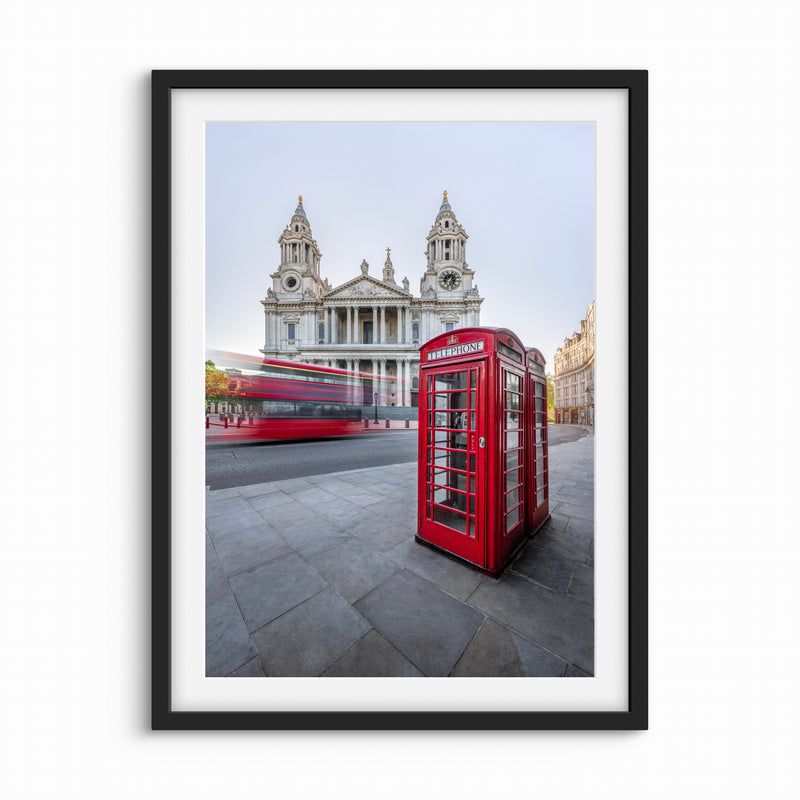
(541, 481)
(441, 458)
(451, 380)
(472, 462)
(453, 400)
(512, 459)
(539, 451)
(539, 435)
(540, 498)
(512, 440)
(512, 401)
(541, 419)
(430, 382)
(512, 498)
(472, 506)
(472, 484)
(472, 420)
(539, 389)
(450, 518)
(512, 382)
(512, 419)
(472, 373)
(513, 478)
(540, 403)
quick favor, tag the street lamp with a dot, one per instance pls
(376, 408)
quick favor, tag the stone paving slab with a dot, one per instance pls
(429, 627)
(249, 548)
(321, 576)
(272, 589)
(557, 622)
(354, 568)
(228, 643)
(372, 657)
(506, 654)
(310, 637)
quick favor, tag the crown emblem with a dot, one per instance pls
(453, 339)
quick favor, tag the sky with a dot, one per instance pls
(524, 193)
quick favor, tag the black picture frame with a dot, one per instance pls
(635, 83)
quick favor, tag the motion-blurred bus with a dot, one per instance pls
(270, 399)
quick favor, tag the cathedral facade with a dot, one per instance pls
(369, 325)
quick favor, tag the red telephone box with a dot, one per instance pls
(538, 495)
(471, 496)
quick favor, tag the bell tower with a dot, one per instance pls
(388, 268)
(447, 272)
(298, 273)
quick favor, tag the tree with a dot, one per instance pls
(217, 383)
(551, 398)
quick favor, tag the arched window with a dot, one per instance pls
(446, 224)
(296, 229)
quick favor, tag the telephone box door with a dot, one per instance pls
(454, 455)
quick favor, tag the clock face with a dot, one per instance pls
(449, 279)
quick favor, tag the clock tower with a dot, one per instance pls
(448, 276)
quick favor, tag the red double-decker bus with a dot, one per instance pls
(275, 399)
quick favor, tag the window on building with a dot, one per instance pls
(290, 331)
(448, 326)
(367, 333)
(415, 330)
(321, 333)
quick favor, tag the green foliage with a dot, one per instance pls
(551, 392)
(217, 383)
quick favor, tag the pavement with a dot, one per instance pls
(321, 576)
(217, 433)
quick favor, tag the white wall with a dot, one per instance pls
(74, 300)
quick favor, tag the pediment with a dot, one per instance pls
(366, 286)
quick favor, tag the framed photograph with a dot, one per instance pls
(399, 368)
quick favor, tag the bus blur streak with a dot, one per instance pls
(290, 400)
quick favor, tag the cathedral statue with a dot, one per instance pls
(364, 267)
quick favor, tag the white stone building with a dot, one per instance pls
(368, 325)
(573, 376)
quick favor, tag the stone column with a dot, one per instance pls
(349, 333)
(383, 325)
(335, 328)
(375, 382)
(374, 324)
(351, 394)
(383, 398)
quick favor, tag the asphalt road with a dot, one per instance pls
(246, 464)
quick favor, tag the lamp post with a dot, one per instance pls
(376, 408)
